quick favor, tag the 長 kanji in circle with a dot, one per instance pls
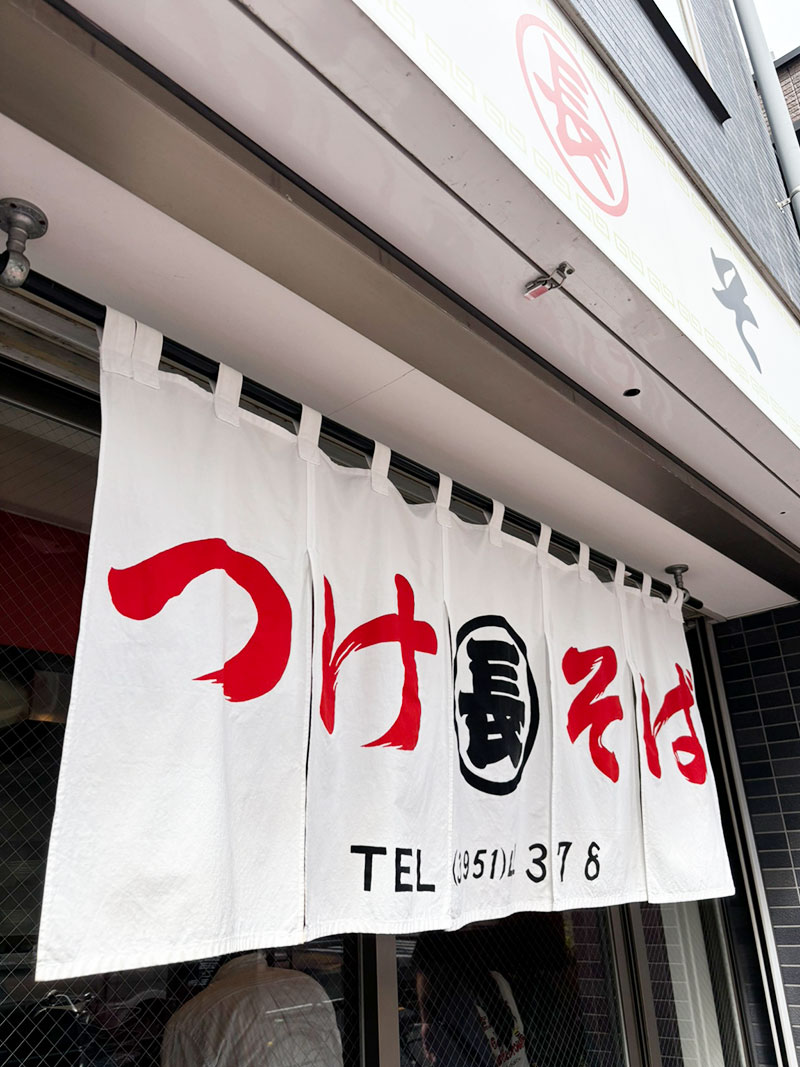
(572, 115)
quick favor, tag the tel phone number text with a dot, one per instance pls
(494, 864)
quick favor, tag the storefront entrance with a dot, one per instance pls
(645, 984)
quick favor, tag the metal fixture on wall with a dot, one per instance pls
(23, 222)
(677, 570)
(547, 282)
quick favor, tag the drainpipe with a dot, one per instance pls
(783, 135)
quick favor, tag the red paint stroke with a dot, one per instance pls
(141, 591)
(412, 635)
(678, 699)
(590, 710)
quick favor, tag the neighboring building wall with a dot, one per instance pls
(789, 75)
(788, 68)
(734, 159)
(760, 660)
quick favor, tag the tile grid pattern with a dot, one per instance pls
(789, 75)
(760, 661)
(789, 78)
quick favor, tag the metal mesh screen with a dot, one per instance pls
(693, 989)
(47, 480)
(532, 989)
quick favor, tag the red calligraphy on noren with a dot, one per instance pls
(590, 710)
(569, 93)
(141, 591)
(412, 636)
(679, 699)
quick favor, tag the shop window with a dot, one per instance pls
(532, 990)
(692, 986)
(680, 16)
(675, 22)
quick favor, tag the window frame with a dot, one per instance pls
(694, 67)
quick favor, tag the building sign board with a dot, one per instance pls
(528, 79)
(302, 706)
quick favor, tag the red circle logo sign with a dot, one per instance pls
(572, 115)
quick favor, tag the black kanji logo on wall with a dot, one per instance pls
(496, 704)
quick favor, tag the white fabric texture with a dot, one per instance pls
(463, 743)
(381, 731)
(501, 712)
(685, 853)
(596, 854)
(179, 821)
(253, 1015)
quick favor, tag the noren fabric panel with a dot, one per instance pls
(379, 763)
(501, 723)
(304, 707)
(597, 830)
(685, 850)
(180, 814)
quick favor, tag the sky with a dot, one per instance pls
(781, 22)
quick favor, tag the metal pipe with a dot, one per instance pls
(784, 138)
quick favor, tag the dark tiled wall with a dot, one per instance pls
(596, 992)
(664, 998)
(760, 660)
(752, 988)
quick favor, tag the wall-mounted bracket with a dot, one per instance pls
(23, 222)
(677, 570)
(546, 282)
